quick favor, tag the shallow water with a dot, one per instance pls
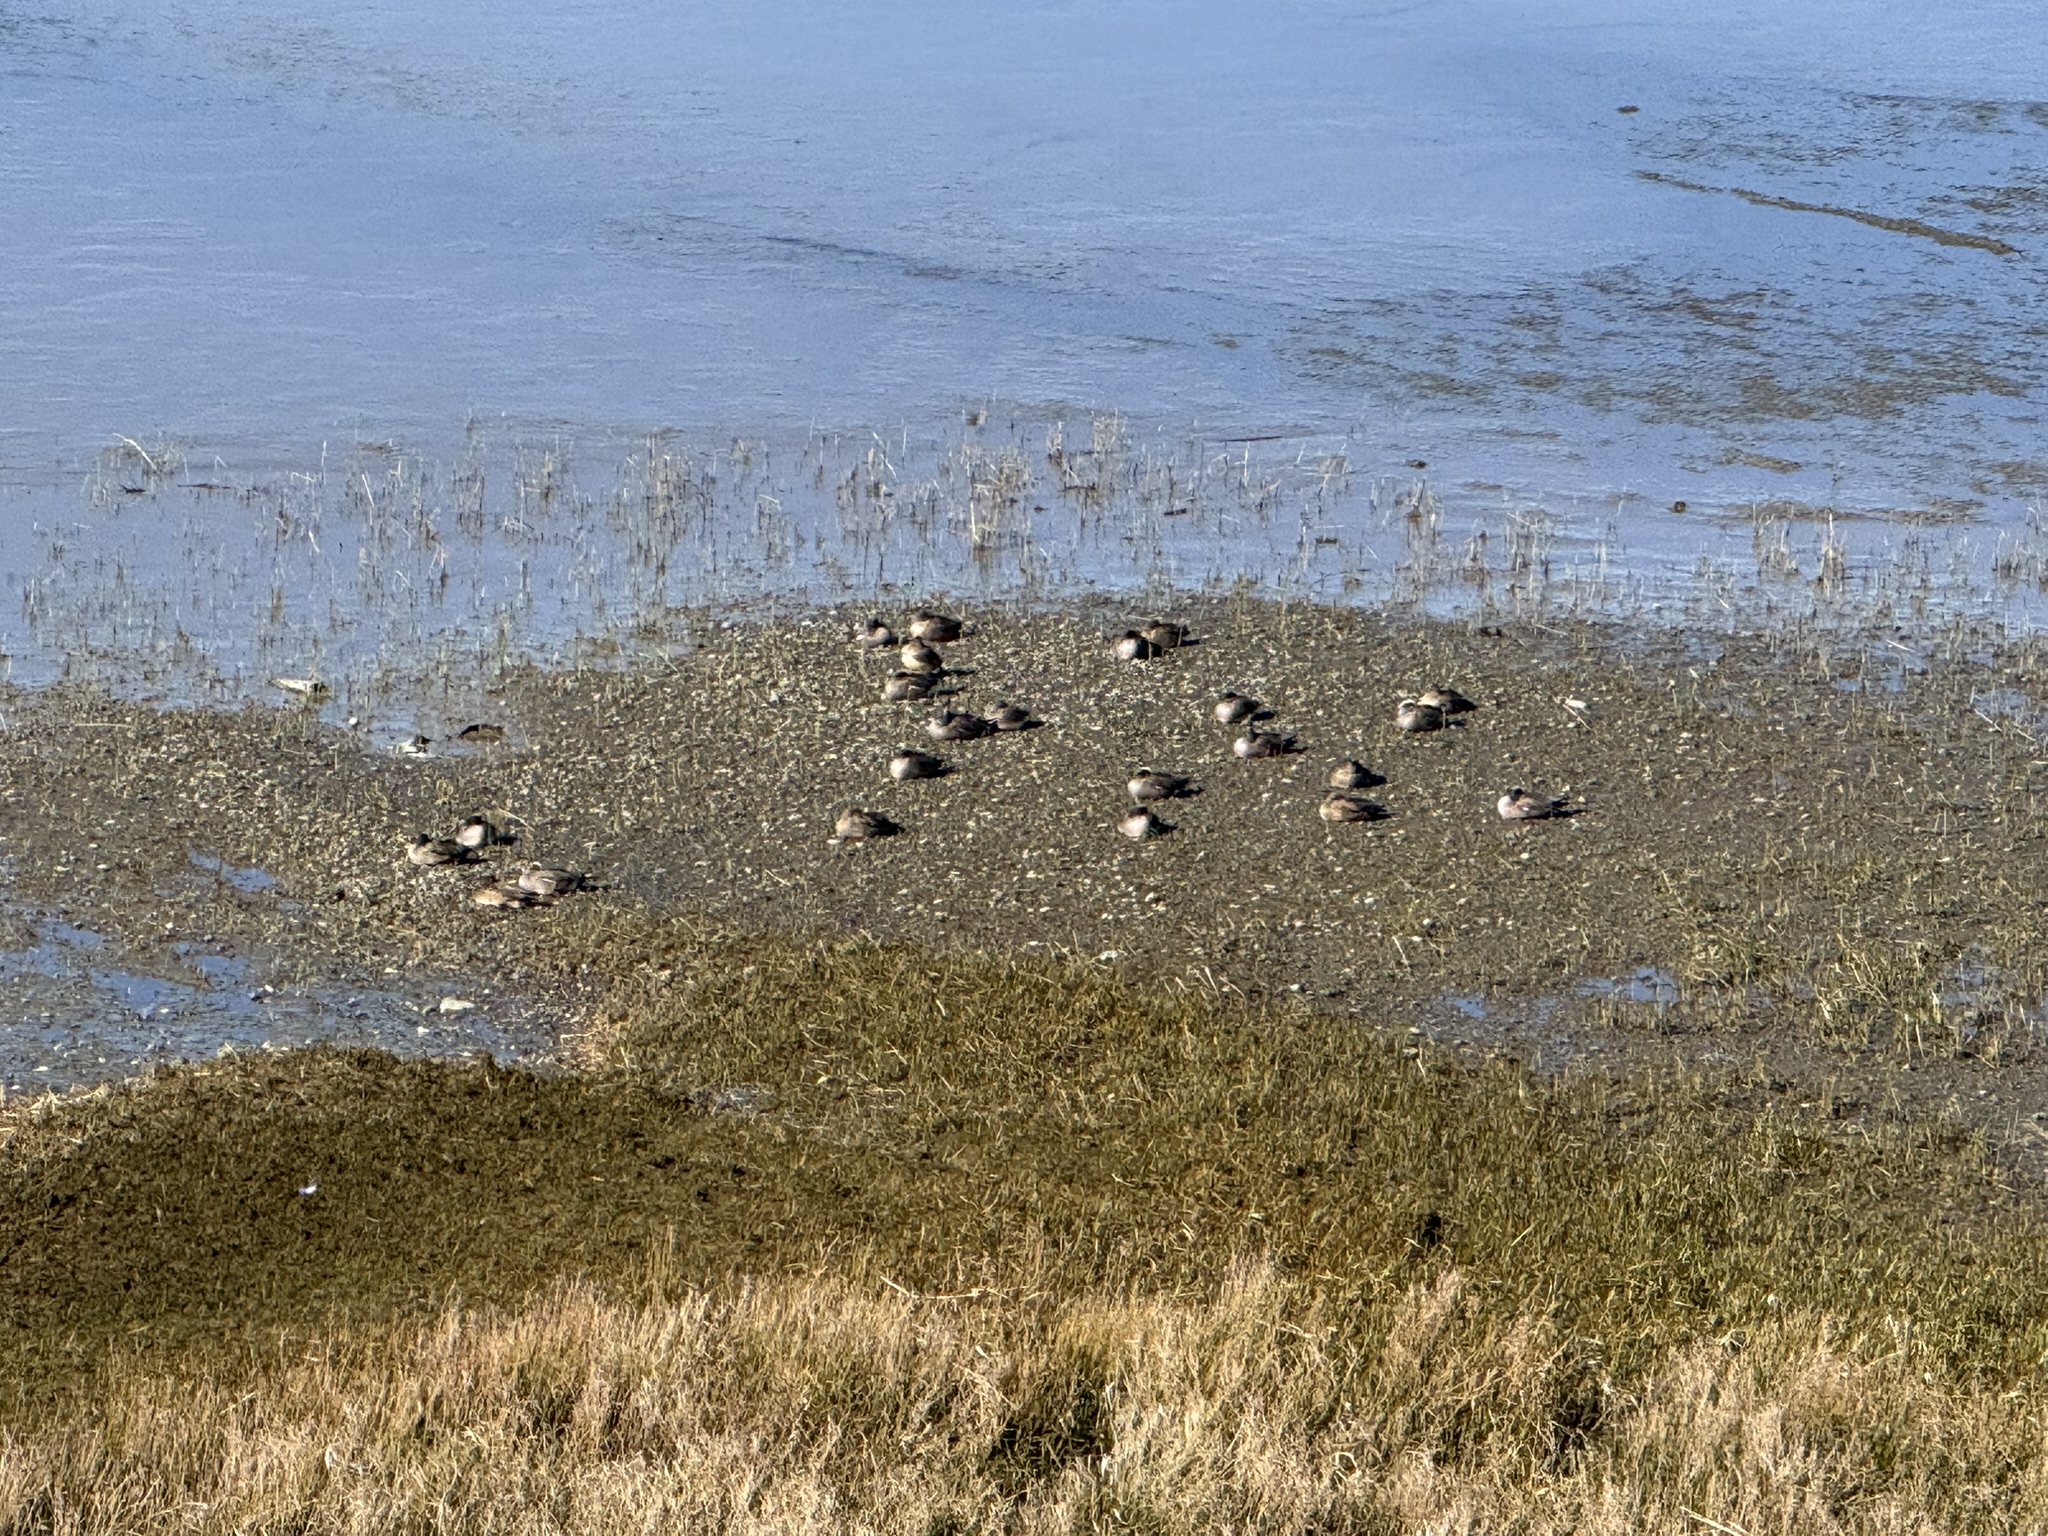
(70, 1018)
(283, 254)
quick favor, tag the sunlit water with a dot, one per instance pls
(331, 264)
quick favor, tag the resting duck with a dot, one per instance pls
(956, 725)
(476, 832)
(1156, 784)
(1141, 824)
(1342, 807)
(912, 764)
(874, 635)
(1447, 701)
(547, 881)
(1257, 744)
(1412, 715)
(1011, 717)
(1352, 774)
(1132, 646)
(935, 628)
(428, 851)
(1235, 708)
(919, 657)
(909, 687)
(1165, 636)
(858, 826)
(1519, 805)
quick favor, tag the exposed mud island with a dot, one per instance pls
(1670, 1164)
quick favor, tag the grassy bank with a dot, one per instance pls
(872, 1237)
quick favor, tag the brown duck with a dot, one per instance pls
(1352, 774)
(1235, 708)
(935, 628)
(1155, 784)
(1132, 646)
(429, 851)
(1414, 716)
(1258, 744)
(857, 826)
(919, 657)
(1447, 700)
(1519, 805)
(1343, 807)
(1140, 824)
(956, 725)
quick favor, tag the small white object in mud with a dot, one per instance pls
(302, 687)
(456, 1005)
(306, 1191)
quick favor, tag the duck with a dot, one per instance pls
(1140, 824)
(1412, 715)
(429, 851)
(909, 763)
(1156, 784)
(476, 832)
(1165, 635)
(936, 628)
(503, 896)
(908, 687)
(1010, 717)
(1255, 744)
(1343, 807)
(548, 881)
(1132, 646)
(1352, 774)
(857, 826)
(919, 657)
(1446, 701)
(874, 635)
(1519, 805)
(956, 725)
(1235, 708)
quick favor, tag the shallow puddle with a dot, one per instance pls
(68, 1019)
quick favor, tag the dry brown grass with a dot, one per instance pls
(815, 1405)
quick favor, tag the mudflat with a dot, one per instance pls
(1820, 847)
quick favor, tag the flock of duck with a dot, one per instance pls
(522, 885)
(917, 677)
(921, 668)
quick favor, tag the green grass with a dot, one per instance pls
(1019, 1139)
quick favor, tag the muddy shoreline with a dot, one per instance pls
(1814, 854)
